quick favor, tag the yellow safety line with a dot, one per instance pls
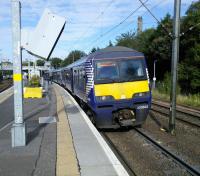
(17, 77)
(67, 164)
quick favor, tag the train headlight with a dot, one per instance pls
(141, 94)
(104, 98)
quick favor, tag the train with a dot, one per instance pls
(113, 83)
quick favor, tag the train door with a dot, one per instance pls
(72, 79)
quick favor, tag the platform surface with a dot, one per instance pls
(38, 157)
(64, 142)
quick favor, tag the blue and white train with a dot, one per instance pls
(112, 83)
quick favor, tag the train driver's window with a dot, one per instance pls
(107, 70)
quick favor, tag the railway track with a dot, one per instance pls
(185, 115)
(119, 155)
(164, 150)
(158, 147)
(5, 84)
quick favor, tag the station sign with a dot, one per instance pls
(44, 37)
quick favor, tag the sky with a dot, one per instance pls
(89, 23)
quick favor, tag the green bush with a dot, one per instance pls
(189, 100)
(34, 81)
(165, 86)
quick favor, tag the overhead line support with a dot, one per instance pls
(174, 65)
(18, 130)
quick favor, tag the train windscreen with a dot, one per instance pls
(120, 71)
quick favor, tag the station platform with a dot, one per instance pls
(61, 140)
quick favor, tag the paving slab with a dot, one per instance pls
(90, 154)
(38, 157)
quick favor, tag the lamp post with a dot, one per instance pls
(154, 74)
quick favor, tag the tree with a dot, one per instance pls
(56, 62)
(93, 50)
(189, 67)
(25, 63)
(127, 40)
(72, 57)
(157, 44)
(110, 43)
(40, 62)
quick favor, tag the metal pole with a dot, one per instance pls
(154, 74)
(18, 128)
(175, 55)
(28, 69)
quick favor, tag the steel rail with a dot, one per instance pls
(174, 157)
(119, 155)
(189, 111)
(178, 105)
(178, 118)
(6, 87)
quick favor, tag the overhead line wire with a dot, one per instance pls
(105, 33)
(165, 29)
(93, 22)
(160, 2)
(189, 29)
(97, 18)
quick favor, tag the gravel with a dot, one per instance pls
(142, 156)
(185, 143)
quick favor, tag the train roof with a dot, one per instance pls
(78, 62)
(108, 52)
(113, 52)
(115, 48)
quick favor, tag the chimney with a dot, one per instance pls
(139, 25)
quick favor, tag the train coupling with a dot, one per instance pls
(124, 117)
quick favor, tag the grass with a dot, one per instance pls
(190, 100)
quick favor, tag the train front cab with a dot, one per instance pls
(121, 100)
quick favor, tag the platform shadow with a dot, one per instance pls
(33, 130)
(121, 129)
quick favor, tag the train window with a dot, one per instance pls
(81, 78)
(78, 72)
(120, 71)
(67, 75)
(107, 70)
(75, 77)
(131, 69)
